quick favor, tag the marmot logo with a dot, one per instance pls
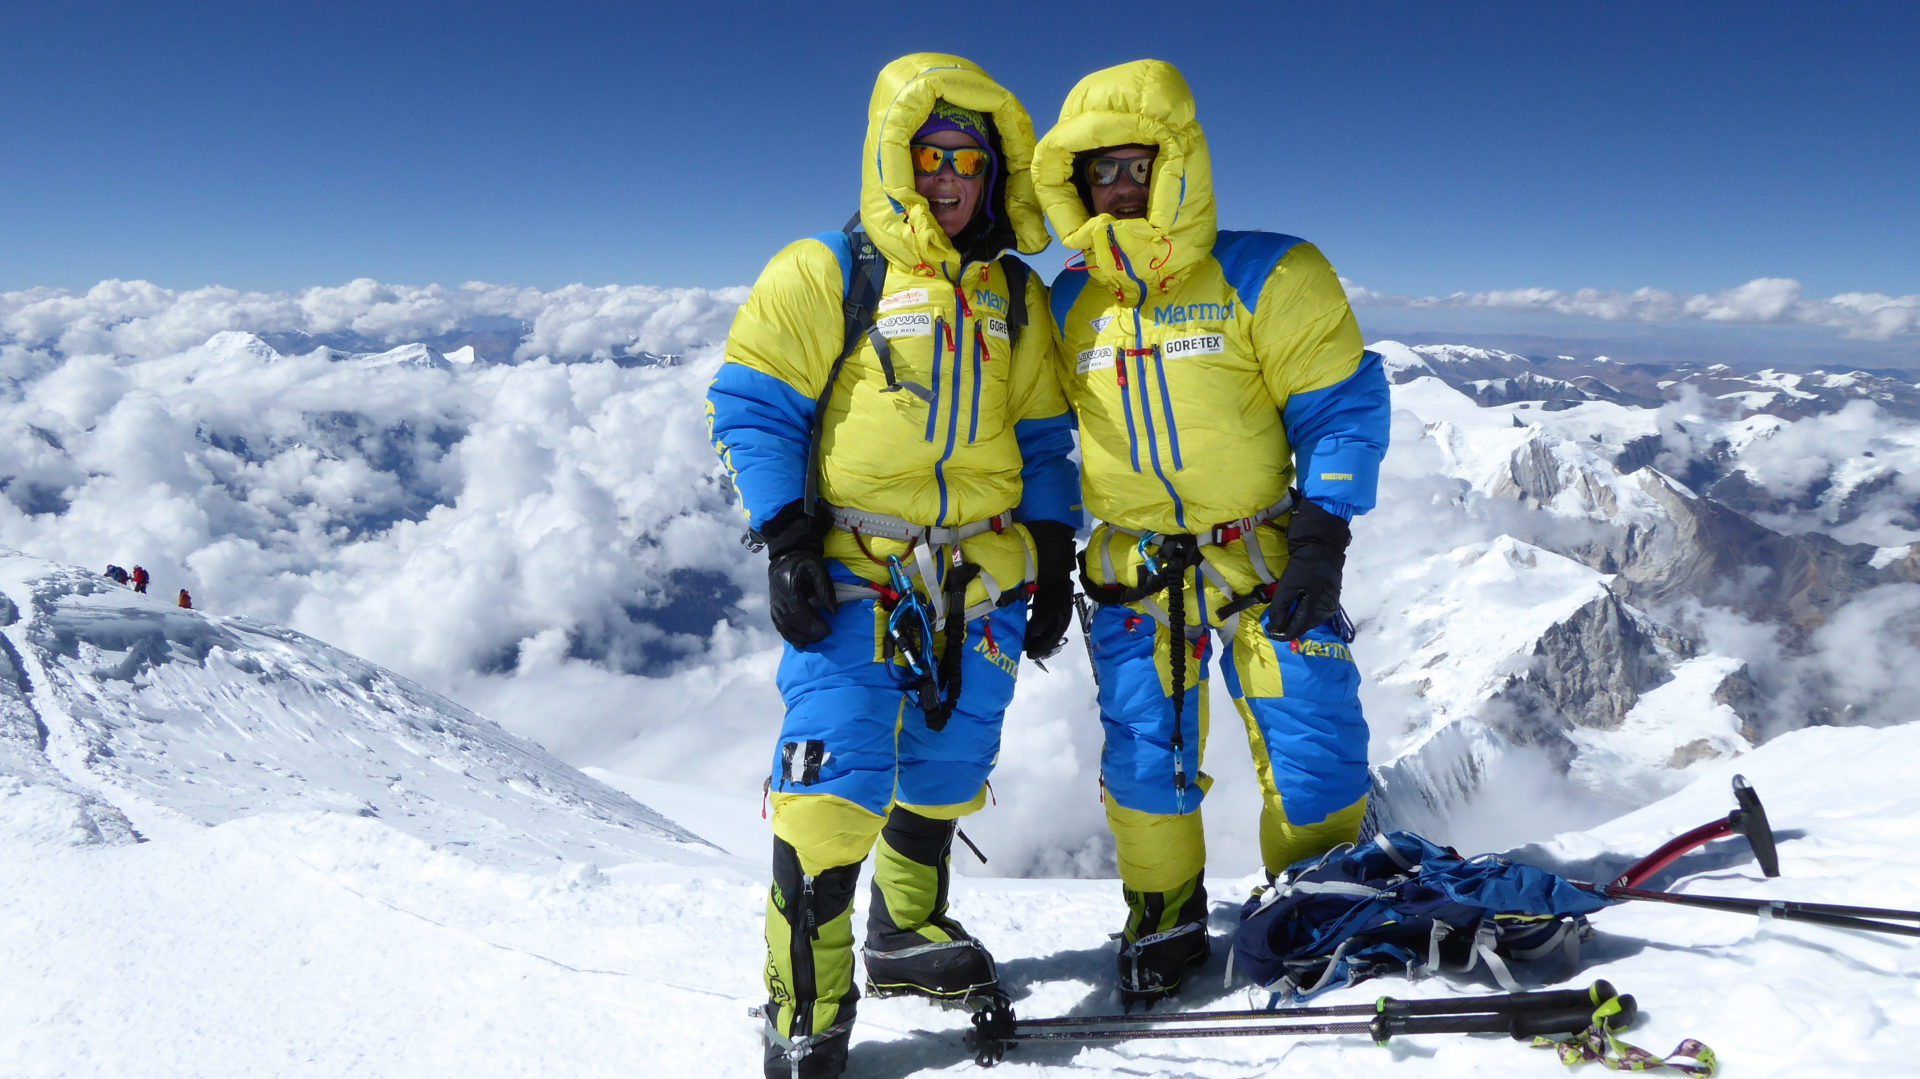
(1192, 312)
(999, 657)
(1323, 649)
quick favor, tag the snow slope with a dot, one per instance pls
(175, 717)
(273, 926)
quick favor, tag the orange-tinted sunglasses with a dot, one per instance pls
(967, 161)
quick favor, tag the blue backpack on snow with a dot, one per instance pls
(1400, 903)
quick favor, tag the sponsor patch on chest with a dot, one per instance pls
(1096, 359)
(909, 324)
(1200, 344)
(996, 327)
(912, 297)
(1100, 324)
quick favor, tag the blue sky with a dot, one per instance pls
(1429, 149)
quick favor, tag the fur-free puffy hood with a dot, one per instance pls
(1146, 102)
(894, 213)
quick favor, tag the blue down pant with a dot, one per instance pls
(1300, 704)
(853, 733)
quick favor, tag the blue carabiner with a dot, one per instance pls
(1140, 548)
(909, 603)
(897, 577)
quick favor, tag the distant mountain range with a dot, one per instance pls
(1609, 572)
(1640, 546)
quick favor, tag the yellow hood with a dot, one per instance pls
(895, 215)
(1146, 101)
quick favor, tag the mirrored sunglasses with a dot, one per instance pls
(1102, 171)
(967, 161)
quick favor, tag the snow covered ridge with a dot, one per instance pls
(1494, 377)
(122, 715)
(1577, 576)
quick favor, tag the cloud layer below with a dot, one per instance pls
(140, 320)
(1863, 315)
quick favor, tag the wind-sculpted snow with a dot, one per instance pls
(171, 714)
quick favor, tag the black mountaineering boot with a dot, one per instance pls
(809, 968)
(912, 946)
(1165, 937)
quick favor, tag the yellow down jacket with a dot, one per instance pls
(969, 426)
(1201, 364)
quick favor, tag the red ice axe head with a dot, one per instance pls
(1749, 818)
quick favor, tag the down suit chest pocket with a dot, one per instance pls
(949, 371)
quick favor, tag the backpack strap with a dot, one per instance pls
(1016, 273)
(865, 273)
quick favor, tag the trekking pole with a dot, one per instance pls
(1830, 914)
(1518, 1015)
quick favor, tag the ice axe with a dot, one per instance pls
(1749, 818)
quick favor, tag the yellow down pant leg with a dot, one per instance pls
(1162, 877)
(819, 841)
(913, 944)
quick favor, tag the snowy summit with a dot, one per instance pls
(235, 850)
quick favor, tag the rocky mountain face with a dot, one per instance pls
(1662, 487)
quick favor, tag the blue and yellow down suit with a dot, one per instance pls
(855, 752)
(1209, 372)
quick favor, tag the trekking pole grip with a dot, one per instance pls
(1570, 1020)
(1505, 1004)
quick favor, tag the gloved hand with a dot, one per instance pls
(797, 578)
(1050, 608)
(1308, 592)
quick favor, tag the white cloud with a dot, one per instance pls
(1865, 315)
(140, 320)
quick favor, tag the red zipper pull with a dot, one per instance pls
(992, 648)
(965, 308)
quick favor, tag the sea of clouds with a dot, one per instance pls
(546, 537)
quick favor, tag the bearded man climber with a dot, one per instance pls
(1231, 426)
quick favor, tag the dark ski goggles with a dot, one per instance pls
(968, 161)
(1105, 171)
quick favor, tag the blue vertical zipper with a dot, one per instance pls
(973, 423)
(1146, 405)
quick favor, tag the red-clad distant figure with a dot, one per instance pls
(139, 579)
(185, 600)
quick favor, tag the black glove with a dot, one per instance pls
(1308, 592)
(1050, 608)
(797, 579)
